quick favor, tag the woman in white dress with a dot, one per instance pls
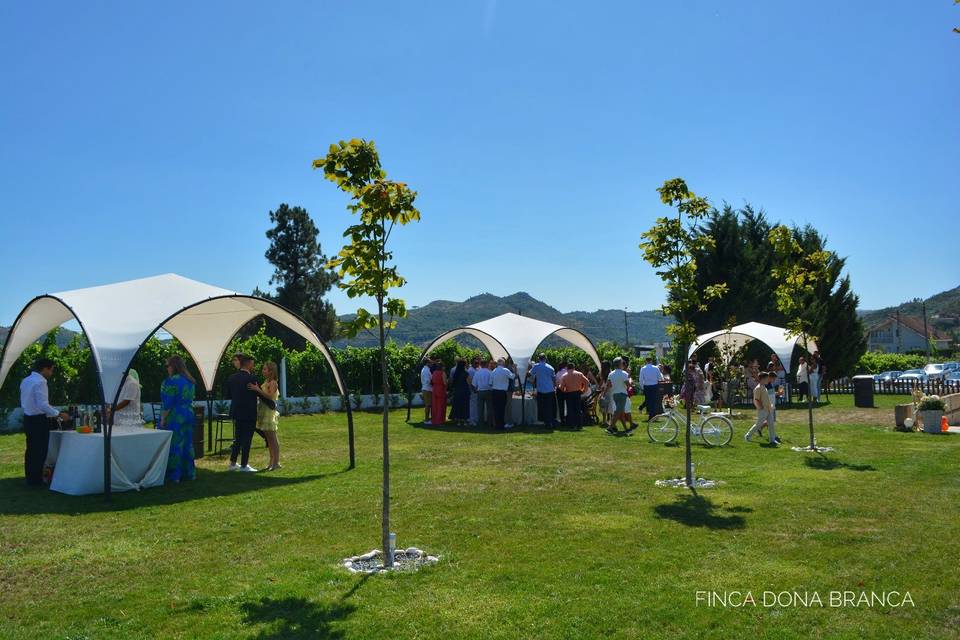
(128, 406)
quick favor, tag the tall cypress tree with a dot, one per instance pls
(300, 271)
(741, 257)
(842, 339)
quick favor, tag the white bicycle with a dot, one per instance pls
(715, 429)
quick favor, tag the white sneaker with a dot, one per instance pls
(426, 424)
(247, 469)
(508, 426)
(233, 466)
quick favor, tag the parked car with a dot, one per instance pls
(953, 376)
(913, 376)
(887, 376)
(934, 371)
(951, 366)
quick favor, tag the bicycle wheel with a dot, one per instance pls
(716, 431)
(662, 429)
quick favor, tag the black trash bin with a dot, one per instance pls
(863, 391)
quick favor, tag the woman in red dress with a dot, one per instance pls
(439, 381)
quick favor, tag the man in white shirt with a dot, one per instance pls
(426, 389)
(500, 381)
(618, 381)
(37, 412)
(650, 379)
(482, 383)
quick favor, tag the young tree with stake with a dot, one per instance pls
(365, 263)
(669, 246)
(798, 273)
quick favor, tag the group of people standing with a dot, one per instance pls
(619, 387)
(253, 409)
(480, 392)
(560, 394)
(810, 374)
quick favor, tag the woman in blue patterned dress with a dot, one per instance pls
(176, 396)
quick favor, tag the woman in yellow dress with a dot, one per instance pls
(267, 418)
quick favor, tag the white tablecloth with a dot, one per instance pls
(138, 460)
(525, 415)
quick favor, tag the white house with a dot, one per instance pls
(884, 336)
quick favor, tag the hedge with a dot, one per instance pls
(874, 362)
(307, 370)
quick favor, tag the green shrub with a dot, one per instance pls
(932, 403)
(308, 373)
(874, 362)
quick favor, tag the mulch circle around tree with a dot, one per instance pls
(404, 560)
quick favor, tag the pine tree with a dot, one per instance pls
(300, 273)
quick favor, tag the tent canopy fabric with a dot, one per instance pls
(780, 341)
(117, 319)
(518, 337)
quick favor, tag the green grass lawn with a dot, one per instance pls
(541, 535)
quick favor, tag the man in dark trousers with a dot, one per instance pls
(37, 413)
(235, 445)
(545, 382)
(243, 408)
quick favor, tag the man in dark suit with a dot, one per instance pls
(243, 409)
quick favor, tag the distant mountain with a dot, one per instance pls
(943, 310)
(425, 323)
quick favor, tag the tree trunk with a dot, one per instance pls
(689, 453)
(813, 440)
(690, 391)
(385, 381)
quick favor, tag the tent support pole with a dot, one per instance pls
(209, 446)
(107, 430)
(353, 454)
(523, 404)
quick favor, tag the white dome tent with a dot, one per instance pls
(780, 340)
(117, 319)
(518, 337)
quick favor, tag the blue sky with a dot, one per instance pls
(142, 138)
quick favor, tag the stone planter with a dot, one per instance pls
(931, 420)
(900, 413)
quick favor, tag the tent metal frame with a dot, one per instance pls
(453, 333)
(108, 425)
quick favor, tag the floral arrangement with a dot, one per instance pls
(931, 403)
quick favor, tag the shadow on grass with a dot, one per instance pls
(298, 618)
(20, 499)
(823, 463)
(694, 510)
